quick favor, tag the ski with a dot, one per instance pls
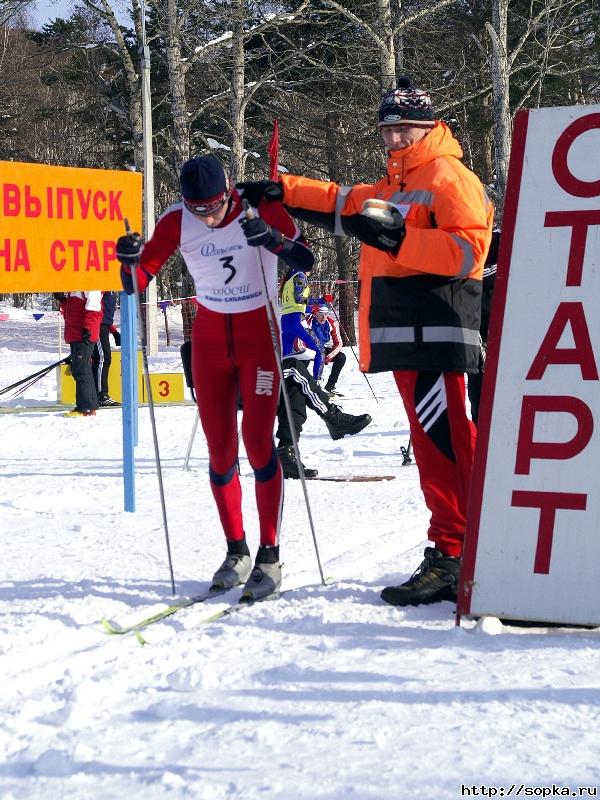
(352, 478)
(116, 630)
(244, 602)
(344, 478)
(241, 605)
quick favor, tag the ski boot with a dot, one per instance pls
(235, 569)
(436, 579)
(287, 457)
(341, 424)
(265, 579)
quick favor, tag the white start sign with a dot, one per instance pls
(532, 549)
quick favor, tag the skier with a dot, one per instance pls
(425, 229)
(101, 355)
(323, 325)
(82, 312)
(232, 347)
(303, 388)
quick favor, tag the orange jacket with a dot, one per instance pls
(419, 308)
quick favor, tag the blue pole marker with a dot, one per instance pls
(129, 394)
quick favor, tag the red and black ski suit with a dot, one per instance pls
(232, 348)
(82, 312)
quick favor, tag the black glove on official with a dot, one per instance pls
(254, 191)
(374, 233)
(86, 335)
(117, 338)
(258, 233)
(129, 248)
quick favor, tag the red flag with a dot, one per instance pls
(273, 151)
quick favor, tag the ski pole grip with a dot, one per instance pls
(248, 209)
(127, 228)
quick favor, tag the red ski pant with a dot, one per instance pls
(232, 354)
(443, 441)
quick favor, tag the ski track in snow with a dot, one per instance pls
(325, 693)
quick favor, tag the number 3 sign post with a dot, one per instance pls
(532, 548)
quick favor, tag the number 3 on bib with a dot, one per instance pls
(228, 265)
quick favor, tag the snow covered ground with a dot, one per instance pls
(324, 694)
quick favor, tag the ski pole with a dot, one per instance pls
(286, 400)
(151, 409)
(406, 453)
(353, 353)
(34, 377)
(186, 463)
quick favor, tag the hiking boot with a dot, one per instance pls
(266, 575)
(233, 571)
(287, 457)
(104, 401)
(435, 580)
(340, 424)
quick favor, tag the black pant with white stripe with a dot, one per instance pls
(303, 391)
(101, 359)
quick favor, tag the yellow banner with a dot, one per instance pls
(59, 226)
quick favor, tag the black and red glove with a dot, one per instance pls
(259, 234)
(129, 248)
(143, 279)
(255, 191)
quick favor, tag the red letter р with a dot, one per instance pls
(527, 449)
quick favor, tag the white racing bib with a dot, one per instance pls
(224, 268)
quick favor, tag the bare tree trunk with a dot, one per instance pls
(236, 104)
(133, 74)
(177, 71)
(500, 73)
(342, 246)
(387, 54)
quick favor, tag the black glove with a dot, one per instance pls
(129, 248)
(60, 297)
(374, 233)
(117, 338)
(254, 191)
(258, 233)
(86, 335)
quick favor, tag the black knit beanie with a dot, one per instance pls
(406, 105)
(203, 179)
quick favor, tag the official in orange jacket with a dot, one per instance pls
(421, 265)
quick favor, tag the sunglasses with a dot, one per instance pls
(206, 209)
